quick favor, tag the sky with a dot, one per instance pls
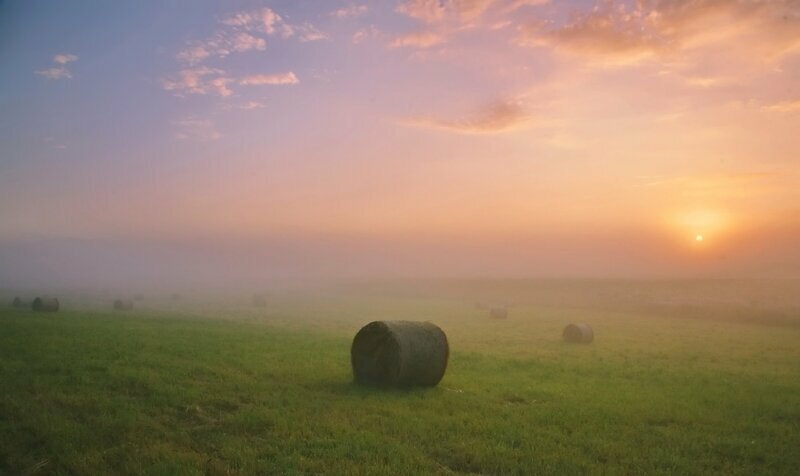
(244, 138)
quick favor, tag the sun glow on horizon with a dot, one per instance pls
(708, 220)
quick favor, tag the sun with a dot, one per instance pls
(700, 227)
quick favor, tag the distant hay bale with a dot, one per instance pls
(175, 297)
(19, 302)
(259, 301)
(123, 305)
(399, 353)
(578, 334)
(45, 304)
(498, 313)
(138, 297)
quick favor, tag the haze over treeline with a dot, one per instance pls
(133, 264)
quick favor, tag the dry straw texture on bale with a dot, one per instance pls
(123, 305)
(578, 334)
(19, 302)
(399, 353)
(45, 304)
(498, 313)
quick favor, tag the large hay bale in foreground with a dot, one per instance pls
(399, 353)
(123, 305)
(19, 302)
(45, 304)
(578, 334)
(498, 313)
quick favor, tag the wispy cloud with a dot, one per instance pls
(250, 105)
(264, 20)
(603, 34)
(64, 58)
(243, 106)
(221, 45)
(500, 116)
(463, 12)
(784, 106)
(445, 18)
(350, 11)
(268, 22)
(194, 128)
(514, 5)
(706, 82)
(714, 185)
(201, 80)
(433, 11)
(613, 33)
(364, 34)
(270, 79)
(308, 32)
(55, 73)
(59, 71)
(424, 39)
(244, 31)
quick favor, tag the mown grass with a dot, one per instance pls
(270, 391)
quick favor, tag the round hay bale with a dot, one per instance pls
(578, 334)
(123, 305)
(259, 301)
(399, 354)
(19, 302)
(138, 297)
(45, 304)
(498, 313)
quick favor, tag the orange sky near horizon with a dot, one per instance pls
(591, 123)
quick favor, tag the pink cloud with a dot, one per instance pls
(220, 45)
(612, 33)
(59, 71)
(500, 116)
(201, 80)
(308, 32)
(784, 106)
(435, 11)
(264, 20)
(246, 42)
(424, 39)
(193, 128)
(365, 33)
(350, 11)
(55, 73)
(270, 79)
(64, 58)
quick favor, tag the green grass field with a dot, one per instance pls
(221, 389)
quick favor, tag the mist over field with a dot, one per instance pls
(229, 263)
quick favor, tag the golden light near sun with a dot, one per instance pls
(688, 224)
